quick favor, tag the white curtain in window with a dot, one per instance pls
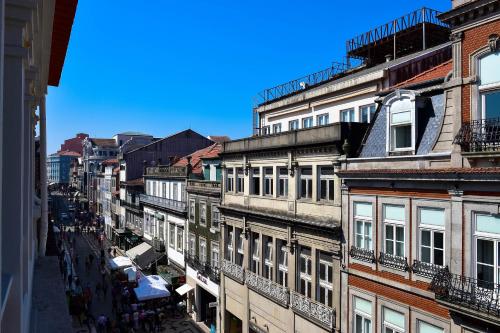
(363, 209)
(488, 223)
(395, 318)
(490, 69)
(432, 216)
(363, 305)
(396, 213)
(401, 117)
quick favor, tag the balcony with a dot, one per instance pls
(268, 288)
(178, 206)
(425, 269)
(203, 186)
(234, 271)
(132, 205)
(479, 136)
(394, 262)
(319, 313)
(166, 172)
(362, 254)
(464, 294)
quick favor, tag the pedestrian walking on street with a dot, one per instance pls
(102, 323)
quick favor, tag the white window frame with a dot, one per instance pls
(215, 217)
(202, 250)
(255, 267)
(309, 180)
(268, 258)
(305, 276)
(230, 245)
(293, 125)
(240, 250)
(171, 228)
(364, 220)
(307, 122)
(192, 244)
(203, 213)
(230, 180)
(283, 265)
(328, 179)
(268, 181)
(432, 229)
(277, 128)
(180, 238)
(240, 180)
(325, 284)
(395, 224)
(282, 178)
(485, 89)
(391, 327)
(368, 109)
(266, 130)
(256, 176)
(322, 119)
(214, 247)
(192, 210)
(491, 237)
(351, 117)
(365, 317)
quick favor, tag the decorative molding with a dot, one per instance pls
(315, 311)
(457, 37)
(232, 270)
(494, 42)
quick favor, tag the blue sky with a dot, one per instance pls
(163, 65)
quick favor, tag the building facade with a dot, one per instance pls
(59, 167)
(74, 144)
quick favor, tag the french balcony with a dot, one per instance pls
(232, 270)
(467, 295)
(178, 206)
(362, 254)
(479, 136)
(425, 269)
(394, 262)
(268, 288)
(317, 312)
(194, 262)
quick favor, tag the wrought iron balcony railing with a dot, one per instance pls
(425, 269)
(392, 261)
(268, 288)
(478, 295)
(232, 270)
(362, 254)
(479, 135)
(213, 273)
(315, 311)
(179, 206)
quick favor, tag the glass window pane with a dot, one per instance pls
(485, 251)
(363, 209)
(490, 68)
(438, 257)
(395, 318)
(401, 117)
(485, 273)
(363, 305)
(322, 272)
(426, 255)
(438, 240)
(432, 216)
(323, 189)
(392, 212)
(400, 249)
(402, 136)
(389, 247)
(426, 238)
(389, 233)
(492, 105)
(424, 327)
(488, 223)
(400, 234)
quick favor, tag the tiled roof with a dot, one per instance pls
(196, 163)
(103, 142)
(437, 72)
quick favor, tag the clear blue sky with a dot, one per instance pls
(162, 66)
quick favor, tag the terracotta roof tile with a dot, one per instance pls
(208, 152)
(103, 142)
(437, 72)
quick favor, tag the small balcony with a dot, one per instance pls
(394, 262)
(234, 271)
(317, 312)
(479, 136)
(268, 288)
(467, 295)
(178, 206)
(425, 269)
(362, 254)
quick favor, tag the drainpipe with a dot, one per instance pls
(44, 227)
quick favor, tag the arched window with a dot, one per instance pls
(489, 86)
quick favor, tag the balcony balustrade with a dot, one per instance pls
(175, 205)
(425, 269)
(232, 270)
(268, 288)
(461, 291)
(479, 136)
(315, 311)
(362, 254)
(392, 261)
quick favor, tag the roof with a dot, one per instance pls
(437, 72)
(219, 138)
(445, 173)
(69, 153)
(187, 132)
(64, 15)
(132, 133)
(103, 142)
(196, 157)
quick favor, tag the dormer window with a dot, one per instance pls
(401, 125)
(489, 86)
(401, 122)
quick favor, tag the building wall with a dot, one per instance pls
(74, 144)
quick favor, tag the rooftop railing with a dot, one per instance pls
(479, 135)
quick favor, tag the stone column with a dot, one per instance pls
(292, 260)
(456, 221)
(246, 296)
(43, 178)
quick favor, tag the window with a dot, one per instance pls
(192, 245)
(255, 267)
(192, 210)
(283, 264)
(489, 88)
(268, 258)
(431, 223)
(283, 182)
(326, 187)
(266, 130)
(240, 180)
(293, 125)
(401, 130)
(487, 241)
(203, 213)
(366, 113)
(277, 128)
(256, 181)
(423, 327)
(305, 272)
(394, 230)
(230, 246)
(362, 315)
(230, 180)
(202, 250)
(347, 116)
(268, 181)
(240, 250)
(161, 230)
(325, 279)
(393, 321)
(306, 183)
(164, 189)
(322, 119)
(171, 239)
(307, 122)
(175, 191)
(363, 225)
(215, 217)
(154, 189)
(214, 255)
(180, 239)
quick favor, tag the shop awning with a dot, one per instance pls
(184, 289)
(143, 255)
(120, 262)
(151, 287)
(131, 273)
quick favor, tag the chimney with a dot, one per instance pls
(189, 166)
